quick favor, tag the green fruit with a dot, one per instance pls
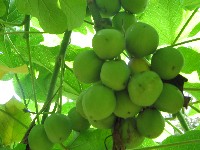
(115, 74)
(106, 123)
(141, 39)
(144, 88)
(107, 8)
(171, 99)
(78, 123)
(38, 140)
(79, 106)
(150, 123)
(99, 102)
(137, 65)
(108, 43)
(123, 20)
(134, 6)
(87, 66)
(129, 134)
(125, 108)
(57, 127)
(167, 62)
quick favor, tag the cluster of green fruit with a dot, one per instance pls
(135, 92)
(56, 129)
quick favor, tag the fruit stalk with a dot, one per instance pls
(182, 121)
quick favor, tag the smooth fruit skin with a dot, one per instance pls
(125, 108)
(107, 8)
(106, 123)
(78, 123)
(123, 20)
(138, 65)
(141, 39)
(108, 43)
(57, 127)
(87, 66)
(79, 106)
(134, 6)
(144, 88)
(38, 140)
(167, 62)
(150, 123)
(129, 134)
(99, 102)
(171, 99)
(115, 74)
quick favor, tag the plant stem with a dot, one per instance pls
(27, 38)
(182, 121)
(174, 127)
(57, 66)
(196, 109)
(168, 145)
(191, 89)
(26, 19)
(185, 25)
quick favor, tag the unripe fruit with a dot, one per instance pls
(108, 43)
(107, 8)
(38, 140)
(125, 108)
(123, 20)
(167, 62)
(87, 66)
(134, 6)
(144, 88)
(137, 65)
(57, 127)
(115, 74)
(129, 134)
(78, 123)
(150, 123)
(141, 39)
(106, 123)
(171, 99)
(99, 102)
(79, 105)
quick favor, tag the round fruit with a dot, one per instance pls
(58, 127)
(107, 8)
(38, 140)
(108, 43)
(167, 62)
(87, 66)
(125, 108)
(78, 123)
(106, 123)
(129, 134)
(79, 106)
(171, 99)
(137, 65)
(141, 39)
(134, 6)
(99, 102)
(144, 88)
(150, 123)
(115, 74)
(122, 20)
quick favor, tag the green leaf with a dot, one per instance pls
(190, 4)
(13, 122)
(190, 135)
(20, 147)
(195, 30)
(165, 16)
(2, 8)
(23, 6)
(75, 10)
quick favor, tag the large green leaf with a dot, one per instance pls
(13, 122)
(190, 135)
(2, 8)
(165, 16)
(190, 4)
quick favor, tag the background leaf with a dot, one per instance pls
(2, 8)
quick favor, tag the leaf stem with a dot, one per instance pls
(174, 127)
(168, 145)
(192, 89)
(27, 38)
(196, 109)
(182, 121)
(22, 32)
(57, 66)
(185, 25)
